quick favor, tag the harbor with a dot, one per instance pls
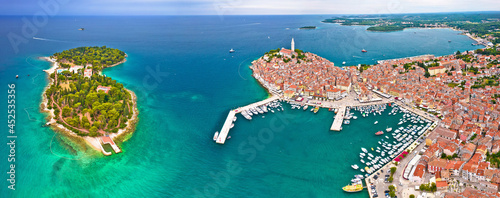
(409, 125)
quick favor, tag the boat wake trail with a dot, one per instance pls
(45, 39)
(239, 67)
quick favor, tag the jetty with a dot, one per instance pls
(260, 103)
(339, 118)
(230, 117)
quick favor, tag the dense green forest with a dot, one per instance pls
(79, 106)
(99, 57)
(385, 28)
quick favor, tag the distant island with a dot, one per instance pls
(86, 103)
(387, 28)
(308, 28)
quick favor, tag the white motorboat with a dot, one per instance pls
(355, 167)
(216, 135)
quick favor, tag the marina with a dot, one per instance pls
(223, 134)
(391, 142)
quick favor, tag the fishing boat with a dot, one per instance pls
(379, 133)
(316, 109)
(216, 135)
(355, 167)
(363, 50)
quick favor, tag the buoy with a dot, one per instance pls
(17, 76)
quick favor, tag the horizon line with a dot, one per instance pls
(449, 12)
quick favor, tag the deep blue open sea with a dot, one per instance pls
(186, 82)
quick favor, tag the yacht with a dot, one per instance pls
(388, 129)
(231, 50)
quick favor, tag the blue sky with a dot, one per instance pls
(243, 7)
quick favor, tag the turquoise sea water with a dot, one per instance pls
(186, 82)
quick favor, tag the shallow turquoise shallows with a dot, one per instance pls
(187, 81)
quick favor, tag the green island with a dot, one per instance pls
(83, 100)
(385, 28)
(308, 28)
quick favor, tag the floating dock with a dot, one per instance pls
(229, 120)
(339, 118)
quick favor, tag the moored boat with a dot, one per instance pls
(353, 188)
(316, 109)
(216, 135)
(379, 133)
